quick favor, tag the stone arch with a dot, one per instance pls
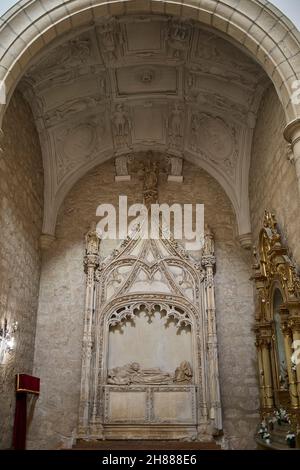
(259, 28)
(268, 36)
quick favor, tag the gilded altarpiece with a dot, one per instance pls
(277, 325)
(150, 361)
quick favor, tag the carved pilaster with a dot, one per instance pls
(208, 262)
(91, 263)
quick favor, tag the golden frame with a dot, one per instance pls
(274, 269)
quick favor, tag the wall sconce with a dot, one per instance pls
(7, 339)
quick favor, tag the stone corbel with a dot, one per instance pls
(246, 241)
(176, 164)
(121, 164)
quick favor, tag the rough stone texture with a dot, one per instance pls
(273, 182)
(61, 306)
(21, 210)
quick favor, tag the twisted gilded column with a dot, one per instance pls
(91, 263)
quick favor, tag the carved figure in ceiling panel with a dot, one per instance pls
(214, 139)
(73, 53)
(121, 126)
(110, 38)
(76, 145)
(178, 36)
(70, 108)
(175, 126)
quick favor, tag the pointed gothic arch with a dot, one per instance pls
(147, 281)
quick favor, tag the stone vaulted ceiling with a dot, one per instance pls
(136, 83)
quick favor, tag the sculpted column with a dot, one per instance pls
(91, 262)
(208, 261)
(292, 135)
(265, 345)
(294, 325)
(287, 336)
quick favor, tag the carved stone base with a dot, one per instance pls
(154, 432)
(246, 241)
(119, 179)
(175, 179)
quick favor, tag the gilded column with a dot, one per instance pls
(208, 261)
(265, 344)
(261, 373)
(294, 324)
(287, 336)
(91, 262)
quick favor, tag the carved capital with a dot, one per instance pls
(246, 241)
(294, 324)
(46, 241)
(208, 261)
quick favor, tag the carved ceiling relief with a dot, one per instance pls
(215, 140)
(143, 82)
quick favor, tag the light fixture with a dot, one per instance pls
(7, 339)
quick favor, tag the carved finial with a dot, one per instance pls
(270, 220)
(256, 263)
(92, 240)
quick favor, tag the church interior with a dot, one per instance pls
(132, 339)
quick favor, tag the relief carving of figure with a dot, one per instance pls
(132, 374)
(176, 165)
(178, 37)
(107, 37)
(183, 373)
(175, 125)
(209, 244)
(121, 125)
(121, 164)
(92, 240)
(150, 190)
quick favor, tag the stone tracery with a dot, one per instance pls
(105, 385)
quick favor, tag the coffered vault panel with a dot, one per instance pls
(138, 82)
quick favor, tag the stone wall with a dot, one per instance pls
(21, 211)
(273, 183)
(61, 306)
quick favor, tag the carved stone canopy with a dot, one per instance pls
(154, 291)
